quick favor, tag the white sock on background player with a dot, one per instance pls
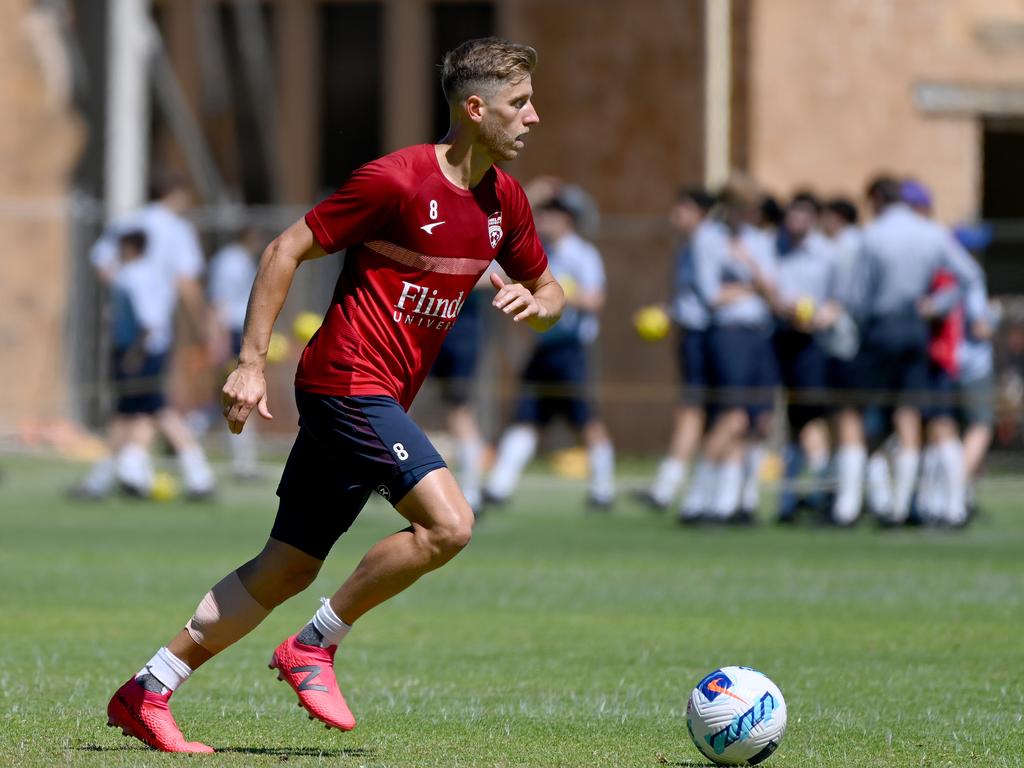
(850, 463)
(728, 489)
(951, 461)
(700, 495)
(470, 456)
(601, 458)
(907, 463)
(514, 452)
(879, 481)
(752, 461)
(668, 479)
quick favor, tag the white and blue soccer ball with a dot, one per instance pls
(736, 716)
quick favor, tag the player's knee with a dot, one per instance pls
(451, 533)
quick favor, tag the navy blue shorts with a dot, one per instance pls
(892, 365)
(456, 361)
(803, 367)
(555, 383)
(694, 366)
(745, 371)
(941, 397)
(347, 447)
(138, 381)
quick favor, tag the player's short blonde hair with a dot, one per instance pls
(483, 65)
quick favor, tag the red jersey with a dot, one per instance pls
(416, 245)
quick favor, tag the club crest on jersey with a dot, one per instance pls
(494, 228)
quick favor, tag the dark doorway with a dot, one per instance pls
(1002, 203)
(351, 95)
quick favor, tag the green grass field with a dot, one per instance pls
(556, 639)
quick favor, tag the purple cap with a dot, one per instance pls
(915, 194)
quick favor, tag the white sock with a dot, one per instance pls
(135, 468)
(601, 458)
(951, 461)
(699, 495)
(243, 451)
(670, 475)
(929, 487)
(850, 462)
(167, 668)
(195, 470)
(752, 477)
(880, 486)
(101, 476)
(329, 625)
(728, 489)
(470, 460)
(907, 464)
(514, 452)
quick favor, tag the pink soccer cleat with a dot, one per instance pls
(309, 669)
(147, 716)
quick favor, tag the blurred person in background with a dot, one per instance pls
(903, 251)
(230, 277)
(455, 369)
(557, 377)
(420, 226)
(688, 219)
(839, 223)
(942, 487)
(803, 297)
(138, 359)
(976, 386)
(173, 263)
(742, 360)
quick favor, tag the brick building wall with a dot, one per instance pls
(39, 142)
(832, 92)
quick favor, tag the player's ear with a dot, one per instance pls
(475, 107)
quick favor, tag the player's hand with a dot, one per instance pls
(245, 389)
(516, 300)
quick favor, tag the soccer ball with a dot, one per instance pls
(652, 323)
(736, 716)
(305, 325)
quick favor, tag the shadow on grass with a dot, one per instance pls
(272, 751)
(303, 751)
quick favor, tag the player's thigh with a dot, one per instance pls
(322, 492)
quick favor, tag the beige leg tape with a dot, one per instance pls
(226, 614)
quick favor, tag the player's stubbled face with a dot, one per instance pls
(510, 115)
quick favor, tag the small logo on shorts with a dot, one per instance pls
(384, 491)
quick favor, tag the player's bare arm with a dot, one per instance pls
(246, 386)
(538, 301)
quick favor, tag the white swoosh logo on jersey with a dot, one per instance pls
(429, 228)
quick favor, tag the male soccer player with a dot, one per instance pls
(420, 226)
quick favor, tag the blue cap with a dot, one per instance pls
(915, 194)
(973, 237)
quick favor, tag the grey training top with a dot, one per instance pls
(902, 251)
(717, 264)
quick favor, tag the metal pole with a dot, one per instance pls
(717, 90)
(127, 138)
